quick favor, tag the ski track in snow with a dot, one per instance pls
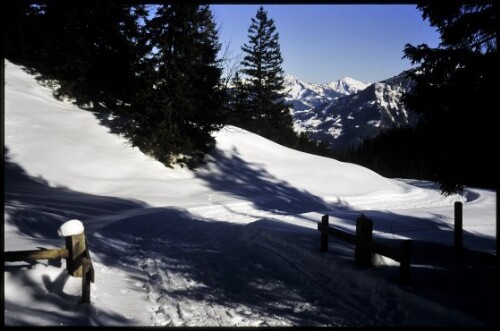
(233, 244)
(241, 275)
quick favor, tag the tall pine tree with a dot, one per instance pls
(261, 68)
(184, 101)
(455, 93)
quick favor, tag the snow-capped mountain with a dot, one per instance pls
(304, 96)
(348, 120)
(347, 85)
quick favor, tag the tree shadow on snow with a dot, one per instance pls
(58, 308)
(196, 263)
(233, 175)
(467, 283)
(177, 257)
(38, 209)
(272, 269)
(116, 123)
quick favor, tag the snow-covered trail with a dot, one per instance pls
(233, 243)
(206, 265)
(190, 271)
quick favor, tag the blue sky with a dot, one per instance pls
(322, 43)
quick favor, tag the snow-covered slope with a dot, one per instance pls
(42, 131)
(347, 121)
(233, 243)
(305, 96)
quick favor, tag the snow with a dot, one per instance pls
(234, 243)
(304, 96)
(70, 228)
(347, 85)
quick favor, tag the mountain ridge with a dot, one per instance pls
(305, 95)
(353, 111)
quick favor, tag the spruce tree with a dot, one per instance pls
(185, 98)
(21, 22)
(455, 91)
(261, 66)
(239, 112)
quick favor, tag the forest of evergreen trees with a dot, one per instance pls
(158, 68)
(455, 96)
(160, 72)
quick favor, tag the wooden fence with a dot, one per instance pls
(364, 245)
(76, 253)
(401, 252)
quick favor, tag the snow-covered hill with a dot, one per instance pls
(347, 121)
(233, 243)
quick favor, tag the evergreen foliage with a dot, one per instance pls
(87, 48)
(264, 111)
(396, 153)
(162, 74)
(256, 101)
(455, 93)
(454, 96)
(183, 105)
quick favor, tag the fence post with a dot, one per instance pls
(76, 252)
(405, 262)
(458, 229)
(86, 279)
(324, 234)
(364, 235)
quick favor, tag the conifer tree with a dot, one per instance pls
(163, 75)
(185, 98)
(239, 112)
(455, 91)
(262, 69)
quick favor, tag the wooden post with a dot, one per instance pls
(364, 235)
(458, 229)
(86, 279)
(405, 262)
(76, 248)
(324, 234)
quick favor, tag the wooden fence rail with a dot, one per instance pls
(364, 245)
(48, 254)
(76, 253)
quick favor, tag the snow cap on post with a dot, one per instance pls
(70, 228)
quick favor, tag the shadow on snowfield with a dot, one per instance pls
(207, 273)
(204, 272)
(37, 209)
(48, 303)
(252, 182)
